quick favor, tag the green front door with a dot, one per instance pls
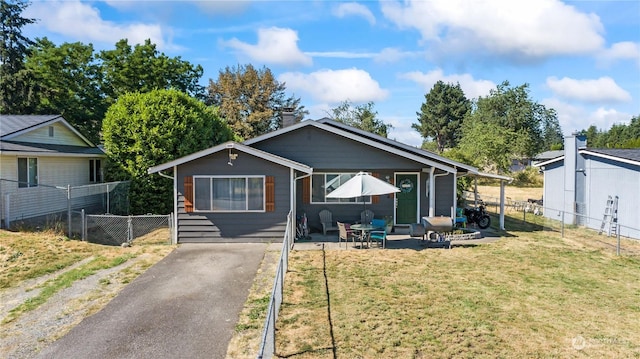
(407, 198)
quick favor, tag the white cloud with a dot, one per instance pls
(82, 22)
(354, 9)
(599, 90)
(522, 29)
(275, 46)
(402, 131)
(391, 55)
(574, 118)
(626, 50)
(472, 88)
(335, 86)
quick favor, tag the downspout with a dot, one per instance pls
(174, 232)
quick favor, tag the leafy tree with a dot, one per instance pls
(142, 130)
(143, 69)
(441, 115)
(15, 82)
(251, 100)
(618, 136)
(362, 116)
(508, 125)
(68, 79)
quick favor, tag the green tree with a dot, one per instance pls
(143, 69)
(361, 116)
(441, 115)
(251, 100)
(16, 83)
(69, 81)
(509, 125)
(142, 130)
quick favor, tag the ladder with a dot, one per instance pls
(610, 216)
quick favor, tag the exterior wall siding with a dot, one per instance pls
(329, 153)
(553, 190)
(236, 226)
(605, 177)
(61, 136)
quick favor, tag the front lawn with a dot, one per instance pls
(530, 294)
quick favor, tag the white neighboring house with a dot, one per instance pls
(579, 181)
(40, 155)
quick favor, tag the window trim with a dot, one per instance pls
(37, 177)
(96, 172)
(246, 201)
(340, 201)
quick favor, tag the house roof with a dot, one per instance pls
(631, 156)
(15, 125)
(548, 155)
(41, 149)
(237, 146)
(413, 153)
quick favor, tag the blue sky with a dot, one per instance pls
(581, 58)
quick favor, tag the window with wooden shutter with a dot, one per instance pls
(188, 194)
(270, 193)
(375, 199)
(306, 190)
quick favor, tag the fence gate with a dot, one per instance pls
(116, 230)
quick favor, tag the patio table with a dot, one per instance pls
(365, 230)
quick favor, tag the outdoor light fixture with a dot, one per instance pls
(232, 157)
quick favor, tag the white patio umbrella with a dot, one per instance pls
(363, 184)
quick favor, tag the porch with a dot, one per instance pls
(398, 239)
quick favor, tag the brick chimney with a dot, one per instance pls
(288, 117)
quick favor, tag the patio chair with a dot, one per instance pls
(345, 233)
(326, 219)
(366, 216)
(378, 236)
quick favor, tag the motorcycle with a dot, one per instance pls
(478, 215)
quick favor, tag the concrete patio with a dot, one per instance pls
(398, 239)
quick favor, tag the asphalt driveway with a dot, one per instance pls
(185, 306)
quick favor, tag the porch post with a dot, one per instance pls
(432, 192)
(174, 234)
(455, 195)
(502, 205)
(292, 205)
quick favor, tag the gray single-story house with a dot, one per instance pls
(580, 181)
(244, 191)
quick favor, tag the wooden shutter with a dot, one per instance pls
(188, 194)
(306, 190)
(375, 199)
(270, 193)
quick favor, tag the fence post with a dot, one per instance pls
(83, 227)
(7, 210)
(562, 225)
(69, 210)
(108, 195)
(618, 235)
(129, 230)
(524, 215)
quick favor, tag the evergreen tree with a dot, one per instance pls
(441, 115)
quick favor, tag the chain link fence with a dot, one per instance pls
(268, 342)
(607, 234)
(117, 230)
(59, 207)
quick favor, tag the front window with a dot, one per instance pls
(27, 172)
(324, 183)
(229, 194)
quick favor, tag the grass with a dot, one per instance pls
(30, 255)
(530, 294)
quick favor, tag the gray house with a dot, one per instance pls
(243, 192)
(580, 181)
